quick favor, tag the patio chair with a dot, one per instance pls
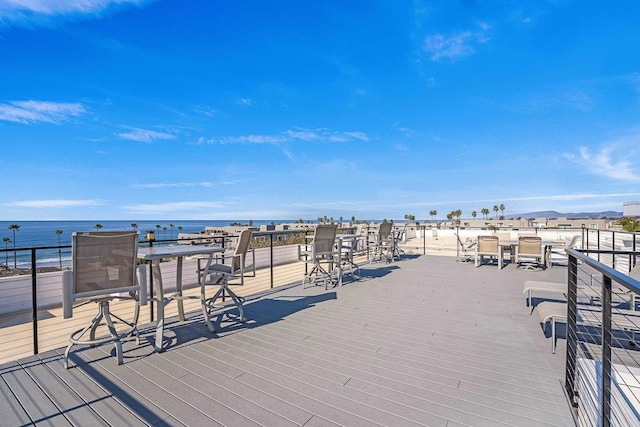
(218, 272)
(400, 236)
(104, 269)
(320, 254)
(384, 243)
(488, 247)
(529, 255)
(465, 250)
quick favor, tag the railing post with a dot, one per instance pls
(151, 316)
(605, 391)
(572, 340)
(271, 257)
(424, 240)
(613, 249)
(34, 301)
(598, 244)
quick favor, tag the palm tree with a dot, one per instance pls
(158, 226)
(164, 232)
(485, 212)
(171, 226)
(319, 220)
(97, 227)
(501, 207)
(458, 214)
(495, 209)
(474, 214)
(353, 219)
(14, 228)
(6, 241)
(134, 226)
(340, 222)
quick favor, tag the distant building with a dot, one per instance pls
(631, 209)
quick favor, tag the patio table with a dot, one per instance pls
(157, 253)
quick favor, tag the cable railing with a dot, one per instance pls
(602, 370)
(38, 292)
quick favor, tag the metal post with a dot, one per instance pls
(605, 391)
(613, 249)
(271, 256)
(572, 347)
(151, 316)
(424, 240)
(34, 301)
(598, 244)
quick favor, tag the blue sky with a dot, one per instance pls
(212, 109)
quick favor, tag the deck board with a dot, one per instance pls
(423, 341)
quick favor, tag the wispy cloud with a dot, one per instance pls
(290, 136)
(42, 11)
(204, 184)
(171, 207)
(534, 198)
(30, 112)
(56, 203)
(244, 101)
(456, 45)
(145, 135)
(605, 163)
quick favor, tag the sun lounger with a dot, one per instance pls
(531, 286)
(556, 312)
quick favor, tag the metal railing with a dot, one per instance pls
(602, 370)
(272, 237)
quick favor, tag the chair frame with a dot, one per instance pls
(321, 253)
(464, 251)
(384, 244)
(75, 287)
(482, 250)
(220, 274)
(530, 247)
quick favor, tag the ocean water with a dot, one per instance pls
(42, 234)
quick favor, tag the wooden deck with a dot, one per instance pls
(423, 341)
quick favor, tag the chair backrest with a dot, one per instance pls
(324, 238)
(488, 244)
(384, 231)
(529, 245)
(503, 237)
(244, 240)
(104, 263)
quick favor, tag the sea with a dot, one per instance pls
(43, 234)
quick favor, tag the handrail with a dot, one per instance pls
(609, 276)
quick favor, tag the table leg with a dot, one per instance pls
(160, 307)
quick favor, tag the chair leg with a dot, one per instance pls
(112, 330)
(238, 302)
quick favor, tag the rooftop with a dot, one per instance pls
(423, 341)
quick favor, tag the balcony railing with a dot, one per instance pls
(602, 375)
